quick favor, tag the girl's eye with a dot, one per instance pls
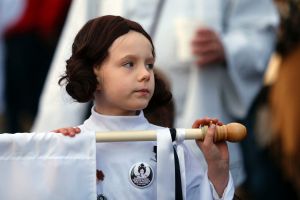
(128, 64)
(150, 66)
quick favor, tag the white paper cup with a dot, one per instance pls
(185, 31)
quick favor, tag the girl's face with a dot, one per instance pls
(126, 79)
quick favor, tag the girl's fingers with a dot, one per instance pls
(206, 121)
(61, 130)
(70, 131)
(201, 122)
(209, 137)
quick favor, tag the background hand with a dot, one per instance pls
(207, 47)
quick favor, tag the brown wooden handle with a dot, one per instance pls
(232, 132)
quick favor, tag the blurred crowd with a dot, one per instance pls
(29, 34)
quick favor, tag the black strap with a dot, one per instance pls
(173, 134)
(178, 188)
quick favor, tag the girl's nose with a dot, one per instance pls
(144, 74)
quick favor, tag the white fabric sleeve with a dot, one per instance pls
(249, 42)
(56, 108)
(228, 192)
(208, 192)
(198, 185)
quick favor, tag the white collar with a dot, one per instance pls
(100, 122)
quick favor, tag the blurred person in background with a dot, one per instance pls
(272, 152)
(10, 10)
(231, 48)
(285, 95)
(30, 43)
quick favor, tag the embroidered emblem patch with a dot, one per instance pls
(141, 175)
(101, 197)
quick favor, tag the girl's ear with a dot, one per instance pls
(97, 73)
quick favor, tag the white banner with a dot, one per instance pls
(47, 166)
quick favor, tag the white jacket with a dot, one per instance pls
(118, 162)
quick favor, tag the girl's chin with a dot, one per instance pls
(140, 105)
(137, 109)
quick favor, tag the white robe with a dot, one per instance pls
(115, 160)
(247, 29)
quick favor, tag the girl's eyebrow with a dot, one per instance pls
(150, 59)
(131, 56)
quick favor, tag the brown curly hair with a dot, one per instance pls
(90, 48)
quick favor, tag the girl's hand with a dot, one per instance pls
(69, 131)
(216, 155)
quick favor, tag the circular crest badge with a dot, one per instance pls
(141, 175)
(101, 197)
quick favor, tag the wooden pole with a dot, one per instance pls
(232, 132)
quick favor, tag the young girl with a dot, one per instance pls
(112, 63)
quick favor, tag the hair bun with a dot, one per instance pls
(81, 83)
